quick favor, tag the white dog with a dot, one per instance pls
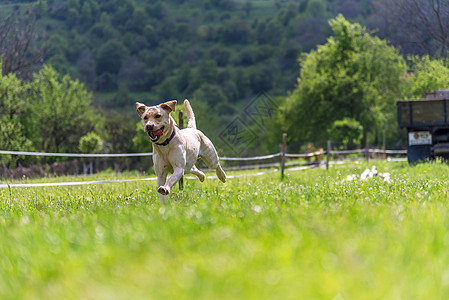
(176, 150)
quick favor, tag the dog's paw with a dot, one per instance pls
(222, 178)
(201, 176)
(163, 190)
(221, 174)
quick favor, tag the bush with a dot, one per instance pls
(348, 131)
(91, 143)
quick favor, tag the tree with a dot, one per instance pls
(141, 141)
(90, 143)
(427, 75)
(12, 138)
(62, 111)
(12, 96)
(20, 45)
(150, 35)
(86, 68)
(235, 31)
(248, 8)
(124, 12)
(13, 111)
(210, 93)
(354, 75)
(261, 77)
(348, 131)
(417, 25)
(316, 8)
(133, 74)
(110, 57)
(119, 128)
(220, 55)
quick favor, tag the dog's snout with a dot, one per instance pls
(149, 127)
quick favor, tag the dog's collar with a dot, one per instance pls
(167, 141)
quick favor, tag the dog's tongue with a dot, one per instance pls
(158, 132)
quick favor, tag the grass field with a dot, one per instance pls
(313, 236)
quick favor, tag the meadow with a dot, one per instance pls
(312, 236)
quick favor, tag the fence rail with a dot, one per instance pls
(251, 158)
(297, 160)
(305, 155)
(98, 155)
(290, 155)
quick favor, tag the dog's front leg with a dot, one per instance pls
(161, 179)
(178, 172)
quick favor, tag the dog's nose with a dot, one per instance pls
(149, 127)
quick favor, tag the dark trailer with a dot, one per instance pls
(427, 125)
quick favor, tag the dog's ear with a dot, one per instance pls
(170, 105)
(140, 108)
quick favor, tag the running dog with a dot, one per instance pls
(176, 150)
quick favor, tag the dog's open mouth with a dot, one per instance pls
(156, 135)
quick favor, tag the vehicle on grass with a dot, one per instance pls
(427, 124)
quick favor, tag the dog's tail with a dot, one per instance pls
(191, 123)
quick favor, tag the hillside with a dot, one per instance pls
(237, 60)
(220, 51)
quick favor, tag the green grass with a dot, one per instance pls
(313, 236)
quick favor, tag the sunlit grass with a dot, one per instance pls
(312, 236)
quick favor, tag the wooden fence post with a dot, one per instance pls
(283, 152)
(181, 126)
(367, 150)
(328, 154)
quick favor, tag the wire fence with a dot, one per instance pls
(281, 160)
(79, 155)
(80, 163)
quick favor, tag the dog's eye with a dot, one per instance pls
(145, 118)
(158, 116)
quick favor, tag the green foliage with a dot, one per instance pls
(91, 143)
(61, 111)
(210, 93)
(348, 131)
(141, 141)
(354, 75)
(50, 114)
(118, 130)
(14, 134)
(110, 57)
(12, 96)
(230, 33)
(221, 53)
(427, 75)
(12, 138)
(316, 8)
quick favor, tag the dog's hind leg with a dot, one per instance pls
(220, 173)
(210, 157)
(198, 173)
(217, 167)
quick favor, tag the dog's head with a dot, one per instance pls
(156, 119)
